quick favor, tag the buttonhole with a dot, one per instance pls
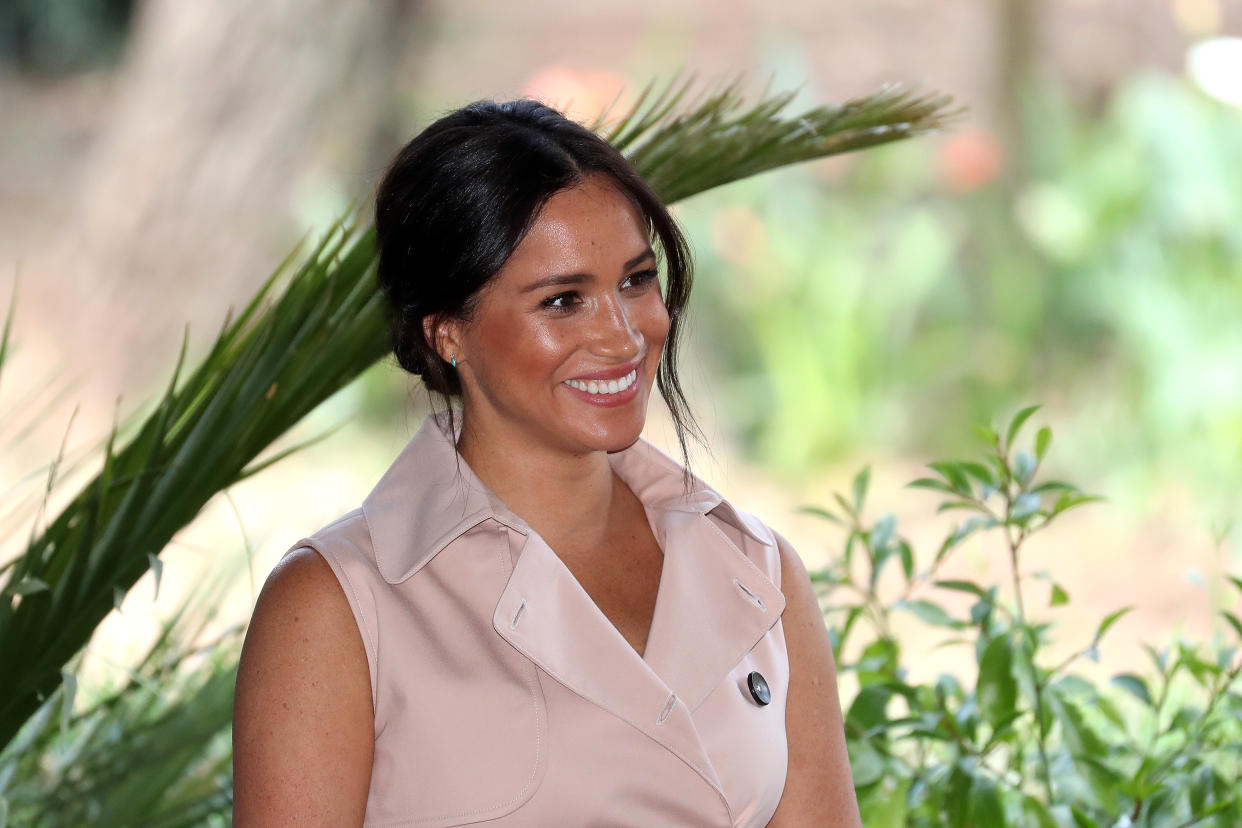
(668, 709)
(749, 593)
(521, 609)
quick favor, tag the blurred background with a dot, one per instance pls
(1075, 241)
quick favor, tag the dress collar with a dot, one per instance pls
(429, 497)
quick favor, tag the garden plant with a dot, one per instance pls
(1025, 741)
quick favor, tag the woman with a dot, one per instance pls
(536, 618)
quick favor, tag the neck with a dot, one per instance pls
(567, 498)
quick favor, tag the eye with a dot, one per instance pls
(640, 280)
(561, 302)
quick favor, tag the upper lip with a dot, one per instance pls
(616, 372)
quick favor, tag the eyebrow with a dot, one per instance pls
(558, 279)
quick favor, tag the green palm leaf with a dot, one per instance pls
(153, 751)
(287, 353)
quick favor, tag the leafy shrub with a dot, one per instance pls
(1026, 742)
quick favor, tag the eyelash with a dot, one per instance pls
(638, 281)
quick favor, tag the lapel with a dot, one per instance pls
(547, 616)
(713, 606)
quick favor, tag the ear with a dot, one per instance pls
(445, 336)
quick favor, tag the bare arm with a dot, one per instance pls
(303, 726)
(818, 789)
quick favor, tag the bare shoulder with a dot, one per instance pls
(819, 789)
(303, 725)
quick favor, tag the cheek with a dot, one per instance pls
(521, 346)
(655, 323)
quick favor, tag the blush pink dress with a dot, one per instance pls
(504, 696)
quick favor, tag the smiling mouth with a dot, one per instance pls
(615, 386)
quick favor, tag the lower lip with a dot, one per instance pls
(608, 400)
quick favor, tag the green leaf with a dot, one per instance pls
(1054, 486)
(964, 530)
(69, 683)
(884, 806)
(820, 512)
(1110, 619)
(1237, 582)
(882, 534)
(1068, 500)
(1082, 819)
(1039, 812)
(985, 803)
(907, 559)
(27, 586)
(1043, 439)
(1110, 711)
(997, 690)
(963, 586)
(1059, 596)
(931, 483)
(1024, 507)
(870, 707)
(957, 796)
(979, 472)
(1015, 425)
(950, 505)
(1024, 467)
(1134, 685)
(930, 613)
(1199, 789)
(1233, 622)
(954, 474)
(845, 505)
(866, 763)
(987, 433)
(861, 481)
(878, 662)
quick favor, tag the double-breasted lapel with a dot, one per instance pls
(714, 604)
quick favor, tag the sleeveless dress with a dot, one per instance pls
(502, 694)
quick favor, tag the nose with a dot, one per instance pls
(616, 337)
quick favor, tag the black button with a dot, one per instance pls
(759, 688)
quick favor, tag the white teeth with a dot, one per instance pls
(604, 386)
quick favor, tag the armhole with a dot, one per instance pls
(365, 624)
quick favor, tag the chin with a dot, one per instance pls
(612, 437)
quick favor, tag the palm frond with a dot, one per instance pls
(152, 751)
(283, 355)
(721, 137)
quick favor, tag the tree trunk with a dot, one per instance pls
(229, 118)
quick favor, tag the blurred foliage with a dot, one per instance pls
(55, 36)
(1025, 741)
(917, 288)
(152, 750)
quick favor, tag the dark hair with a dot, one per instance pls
(459, 198)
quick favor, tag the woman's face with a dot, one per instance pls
(564, 342)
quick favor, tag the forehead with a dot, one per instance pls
(592, 228)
